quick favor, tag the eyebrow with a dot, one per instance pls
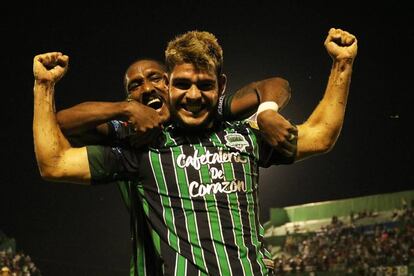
(189, 80)
(154, 71)
(182, 79)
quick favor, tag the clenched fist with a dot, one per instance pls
(341, 45)
(50, 67)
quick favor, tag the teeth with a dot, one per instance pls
(153, 101)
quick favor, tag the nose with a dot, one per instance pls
(148, 87)
(193, 93)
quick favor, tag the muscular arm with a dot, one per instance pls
(56, 159)
(319, 133)
(274, 128)
(89, 119)
(90, 115)
(244, 102)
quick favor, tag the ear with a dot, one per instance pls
(222, 81)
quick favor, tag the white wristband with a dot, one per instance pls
(267, 105)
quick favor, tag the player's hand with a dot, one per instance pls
(341, 44)
(50, 67)
(145, 123)
(278, 132)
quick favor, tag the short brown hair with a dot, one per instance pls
(199, 48)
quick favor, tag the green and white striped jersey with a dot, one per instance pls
(200, 196)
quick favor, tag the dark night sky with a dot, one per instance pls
(74, 230)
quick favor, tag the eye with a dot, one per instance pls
(134, 85)
(156, 78)
(206, 85)
(182, 84)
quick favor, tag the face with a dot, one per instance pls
(194, 94)
(145, 83)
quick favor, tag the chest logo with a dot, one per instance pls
(236, 140)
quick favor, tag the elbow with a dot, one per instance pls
(325, 148)
(326, 144)
(48, 175)
(323, 135)
(316, 142)
(50, 172)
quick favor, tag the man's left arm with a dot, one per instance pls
(319, 133)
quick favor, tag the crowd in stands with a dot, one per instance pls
(14, 263)
(351, 247)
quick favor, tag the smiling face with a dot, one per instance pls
(194, 94)
(145, 83)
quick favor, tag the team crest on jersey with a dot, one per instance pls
(236, 140)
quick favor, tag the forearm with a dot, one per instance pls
(56, 159)
(321, 130)
(89, 115)
(274, 89)
(246, 100)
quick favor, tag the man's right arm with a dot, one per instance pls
(56, 159)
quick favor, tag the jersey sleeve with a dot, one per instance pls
(108, 164)
(119, 131)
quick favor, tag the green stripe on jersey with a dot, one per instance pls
(189, 213)
(155, 236)
(252, 216)
(180, 265)
(236, 216)
(215, 225)
(165, 200)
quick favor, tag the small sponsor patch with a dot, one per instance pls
(236, 140)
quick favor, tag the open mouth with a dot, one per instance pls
(153, 102)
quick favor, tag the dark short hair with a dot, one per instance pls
(157, 61)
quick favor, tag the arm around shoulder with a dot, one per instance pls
(245, 101)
